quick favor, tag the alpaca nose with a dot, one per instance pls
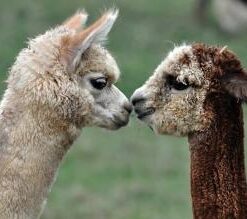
(137, 99)
(128, 107)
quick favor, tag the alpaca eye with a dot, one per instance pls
(180, 86)
(99, 83)
(173, 83)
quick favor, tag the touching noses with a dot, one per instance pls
(128, 107)
(139, 102)
(137, 98)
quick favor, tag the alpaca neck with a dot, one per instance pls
(218, 183)
(32, 146)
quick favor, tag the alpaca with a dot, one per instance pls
(230, 14)
(197, 92)
(63, 81)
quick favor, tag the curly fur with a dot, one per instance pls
(207, 110)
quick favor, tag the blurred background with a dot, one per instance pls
(130, 173)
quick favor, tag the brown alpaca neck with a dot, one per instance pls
(218, 182)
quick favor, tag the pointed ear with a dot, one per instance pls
(77, 21)
(96, 33)
(236, 85)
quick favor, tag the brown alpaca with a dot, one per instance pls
(197, 91)
(62, 82)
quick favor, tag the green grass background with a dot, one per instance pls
(131, 173)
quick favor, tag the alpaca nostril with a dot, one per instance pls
(128, 107)
(137, 99)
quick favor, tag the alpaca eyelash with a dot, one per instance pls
(174, 84)
(99, 83)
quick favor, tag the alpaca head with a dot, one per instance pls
(177, 97)
(69, 72)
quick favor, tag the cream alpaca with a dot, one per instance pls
(61, 83)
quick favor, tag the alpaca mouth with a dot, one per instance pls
(142, 114)
(118, 123)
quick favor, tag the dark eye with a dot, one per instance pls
(173, 83)
(99, 83)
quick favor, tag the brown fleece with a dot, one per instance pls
(215, 61)
(209, 112)
(218, 182)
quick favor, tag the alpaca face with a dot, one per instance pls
(69, 72)
(98, 72)
(174, 99)
(171, 101)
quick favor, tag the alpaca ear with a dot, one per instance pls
(236, 85)
(94, 34)
(77, 21)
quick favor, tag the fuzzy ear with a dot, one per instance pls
(96, 33)
(236, 85)
(77, 21)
